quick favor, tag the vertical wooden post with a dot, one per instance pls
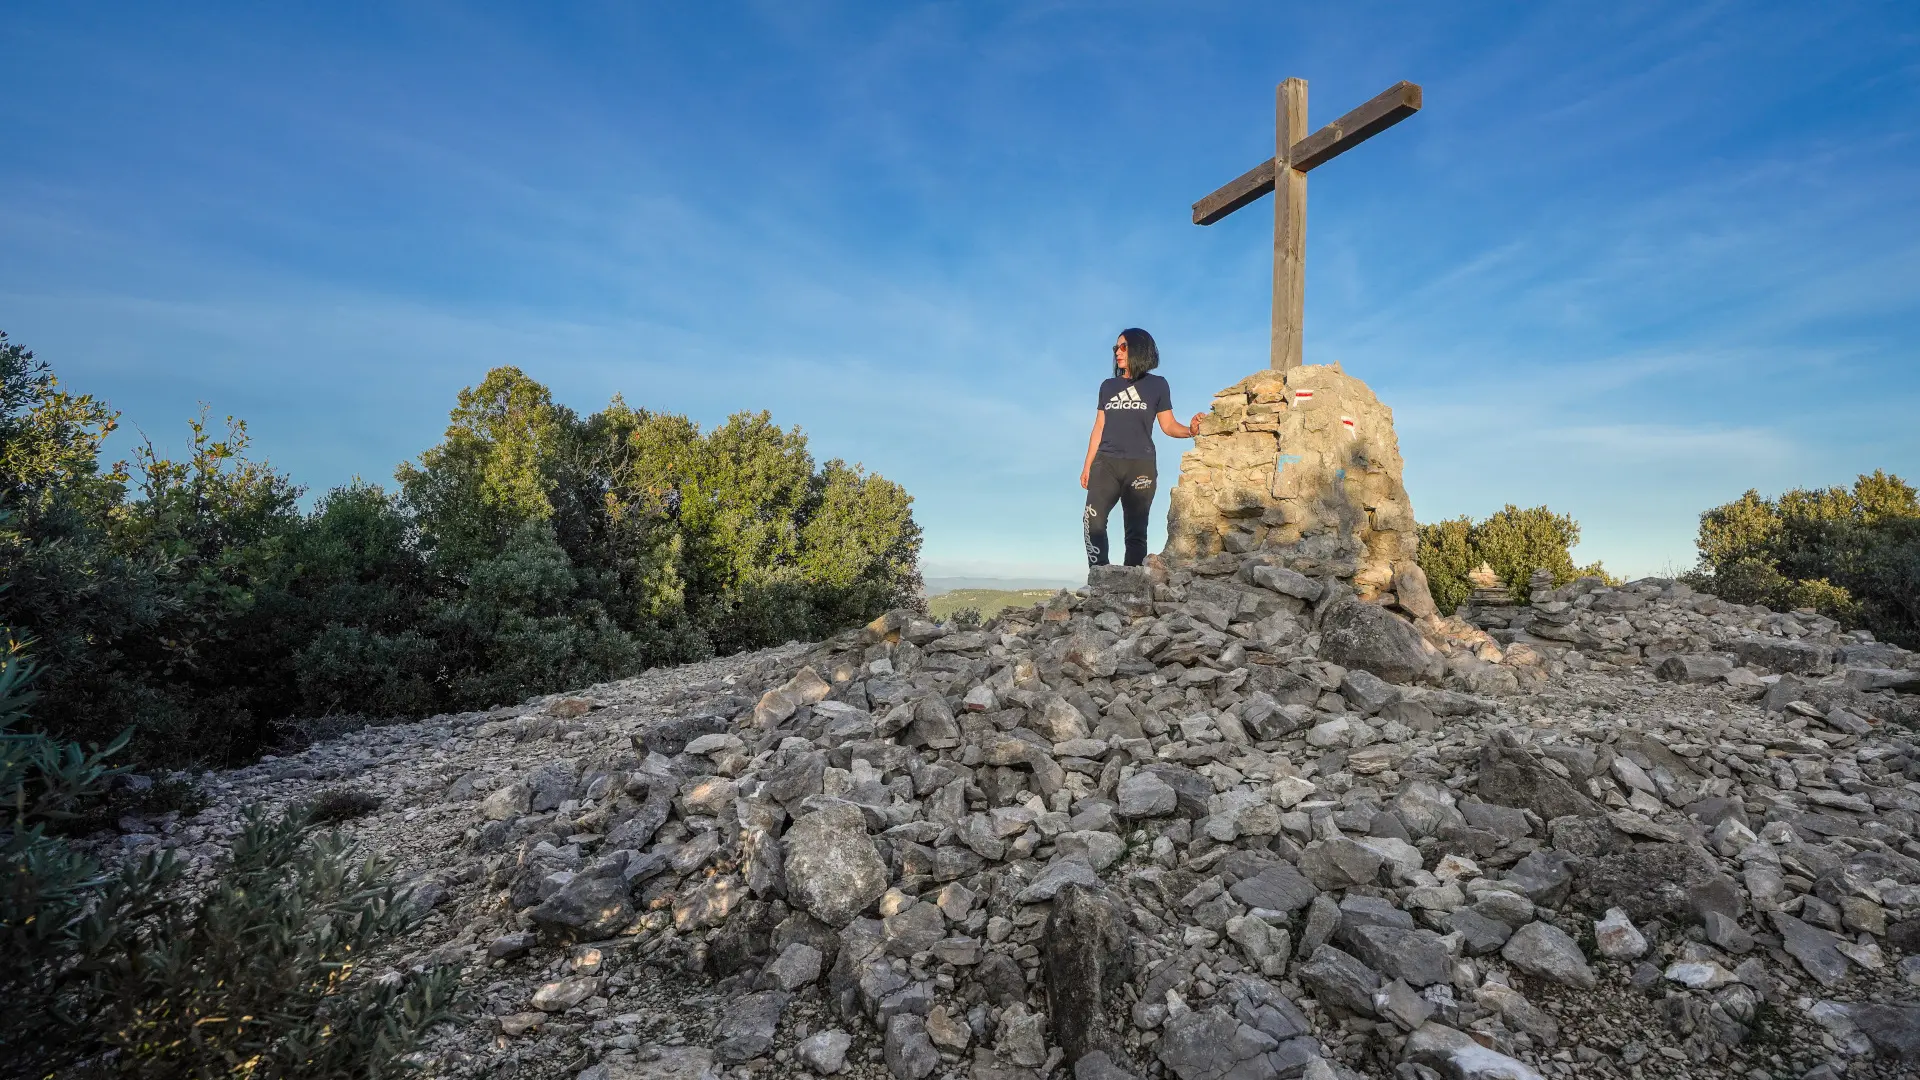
(1289, 226)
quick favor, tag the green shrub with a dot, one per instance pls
(1514, 542)
(966, 618)
(120, 971)
(1849, 553)
(531, 550)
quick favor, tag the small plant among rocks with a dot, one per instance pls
(124, 971)
(341, 804)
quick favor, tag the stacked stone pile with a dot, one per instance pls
(1687, 636)
(1303, 462)
(1224, 820)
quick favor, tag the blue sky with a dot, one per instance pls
(1630, 260)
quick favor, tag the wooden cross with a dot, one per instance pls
(1295, 152)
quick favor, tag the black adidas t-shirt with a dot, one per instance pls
(1130, 406)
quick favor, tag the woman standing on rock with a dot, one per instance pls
(1120, 464)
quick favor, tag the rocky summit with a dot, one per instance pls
(1220, 820)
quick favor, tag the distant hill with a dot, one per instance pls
(935, 586)
(989, 602)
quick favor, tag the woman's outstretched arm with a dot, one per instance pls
(1093, 446)
(1174, 428)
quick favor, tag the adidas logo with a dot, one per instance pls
(1126, 399)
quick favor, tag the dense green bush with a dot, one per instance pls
(1851, 553)
(1514, 542)
(531, 550)
(120, 971)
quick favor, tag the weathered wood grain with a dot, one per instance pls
(1236, 193)
(1289, 226)
(1387, 108)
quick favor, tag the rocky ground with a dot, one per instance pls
(1222, 822)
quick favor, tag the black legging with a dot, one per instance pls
(1129, 482)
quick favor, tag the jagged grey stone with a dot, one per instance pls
(832, 868)
(825, 1052)
(1275, 797)
(1545, 950)
(747, 1026)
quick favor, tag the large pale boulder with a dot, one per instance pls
(832, 868)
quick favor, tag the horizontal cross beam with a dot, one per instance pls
(1237, 193)
(1388, 108)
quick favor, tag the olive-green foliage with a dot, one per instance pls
(531, 550)
(1514, 542)
(1851, 553)
(117, 972)
(341, 804)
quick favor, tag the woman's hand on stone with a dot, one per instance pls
(1193, 425)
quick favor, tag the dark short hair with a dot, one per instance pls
(1142, 354)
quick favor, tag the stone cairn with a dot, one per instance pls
(1490, 600)
(1227, 818)
(1304, 464)
(1221, 820)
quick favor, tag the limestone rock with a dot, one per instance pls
(1816, 949)
(1100, 1065)
(832, 867)
(1479, 934)
(1022, 1036)
(666, 1063)
(797, 965)
(585, 909)
(1212, 1045)
(746, 1028)
(507, 803)
(1146, 795)
(1456, 1056)
(1544, 950)
(1694, 669)
(910, 1054)
(932, 876)
(1411, 590)
(825, 1052)
(776, 705)
(1058, 876)
(1084, 952)
(1511, 776)
(1356, 634)
(1340, 980)
(1894, 1029)
(1417, 956)
(1278, 887)
(1340, 863)
(1617, 939)
(1678, 882)
(564, 994)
